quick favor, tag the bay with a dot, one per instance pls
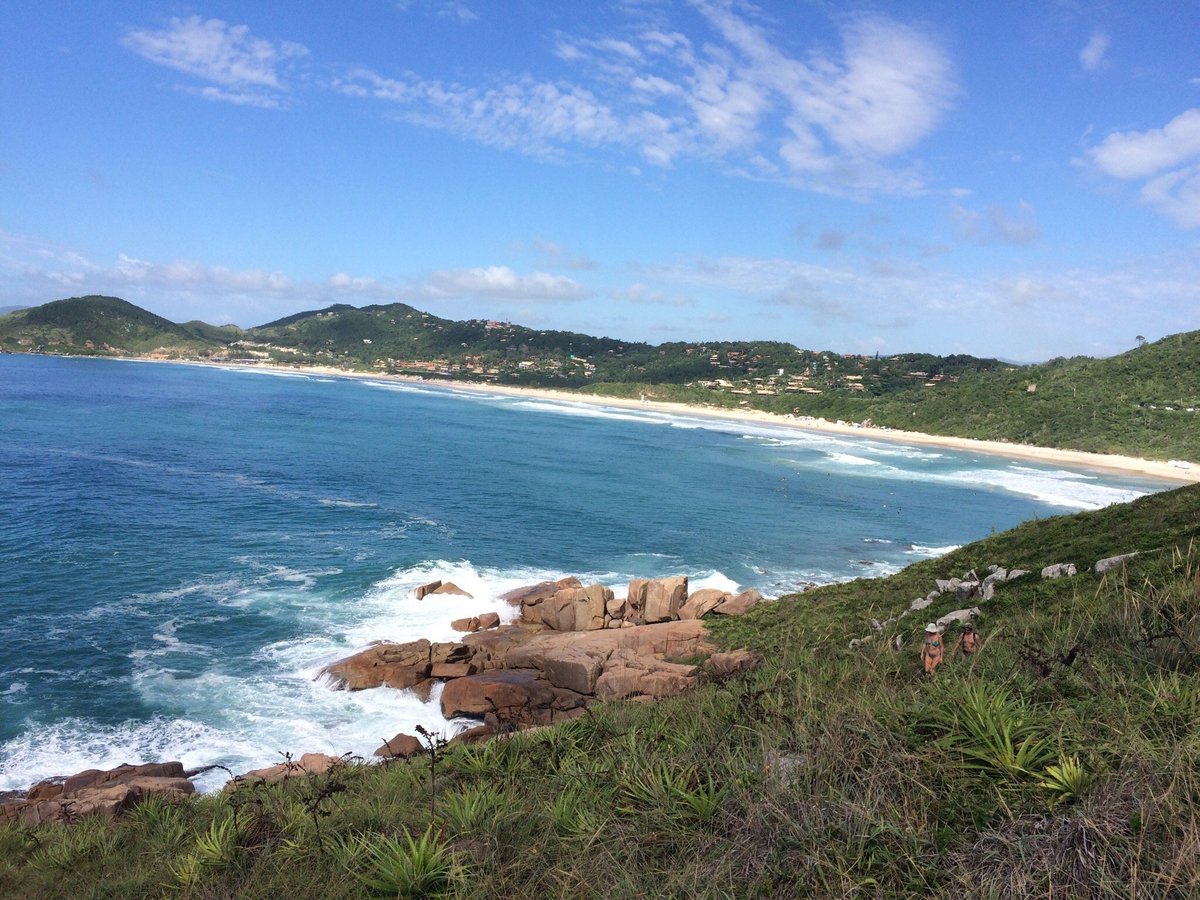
(185, 546)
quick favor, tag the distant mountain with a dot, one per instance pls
(95, 324)
(5, 310)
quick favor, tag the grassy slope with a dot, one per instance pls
(65, 326)
(894, 785)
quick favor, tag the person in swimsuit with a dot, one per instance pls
(969, 642)
(932, 651)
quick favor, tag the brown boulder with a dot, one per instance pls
(739, 605)
(488, 620)
(426, 589)
(489, 649)
(394, 665)
(681, 638)
(558, 612)
(626, 675)
(576, 670)
(95, 792)
(45, 790)
(534, 594)
(701, 603)
(469, 624)
(507, 697)
(450, 588)
(664, 596)
(590, 604)
(452, 670)
(636, 597)
(122, 773)
(723, 665)
(478, 695)
(402, 745)
(308, 764)
(474, 735)
(449, 652)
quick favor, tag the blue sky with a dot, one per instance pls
(1016, 179)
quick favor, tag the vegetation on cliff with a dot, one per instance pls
(1061, 760)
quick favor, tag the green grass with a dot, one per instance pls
(1062, 760)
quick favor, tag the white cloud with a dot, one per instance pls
(1167, 158)
(246, 69)
(1091, 57)
(502, 283)
(1140, 154)
(830, 122)
(444, 9)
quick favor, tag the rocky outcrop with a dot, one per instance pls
(448, 588)
(663, 598)
(739, 605)
(381, 665)
(702, 602)
(533, 594)
(107, 793)
(572, 646)
(424, 589)
(959, 616)
(628, 674)
(1059, 570)
(308, 764)
(402, 746)
(509, 697)
(1112, 562)
(734, 662)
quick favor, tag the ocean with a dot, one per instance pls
(185, 546)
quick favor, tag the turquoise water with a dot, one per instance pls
(185, 546)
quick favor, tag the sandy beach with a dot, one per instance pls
(1183, 472)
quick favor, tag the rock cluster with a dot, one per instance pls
(569, 606)
(97, 792)
(981, 589)
(308, 764)
(572, 645)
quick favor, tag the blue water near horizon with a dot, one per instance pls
(185, 546)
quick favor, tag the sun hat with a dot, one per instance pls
(932, 627)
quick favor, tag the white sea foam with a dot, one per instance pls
(585, 411)
(847, 459)
(396, 387)
(1054, 487)
(931, 552)
(347, 504)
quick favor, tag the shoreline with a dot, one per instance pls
(1130, 465)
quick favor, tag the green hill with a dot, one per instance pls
(1140, 403)
(95, 325)
(1062, 760)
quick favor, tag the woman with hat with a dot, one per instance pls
(932, 651)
